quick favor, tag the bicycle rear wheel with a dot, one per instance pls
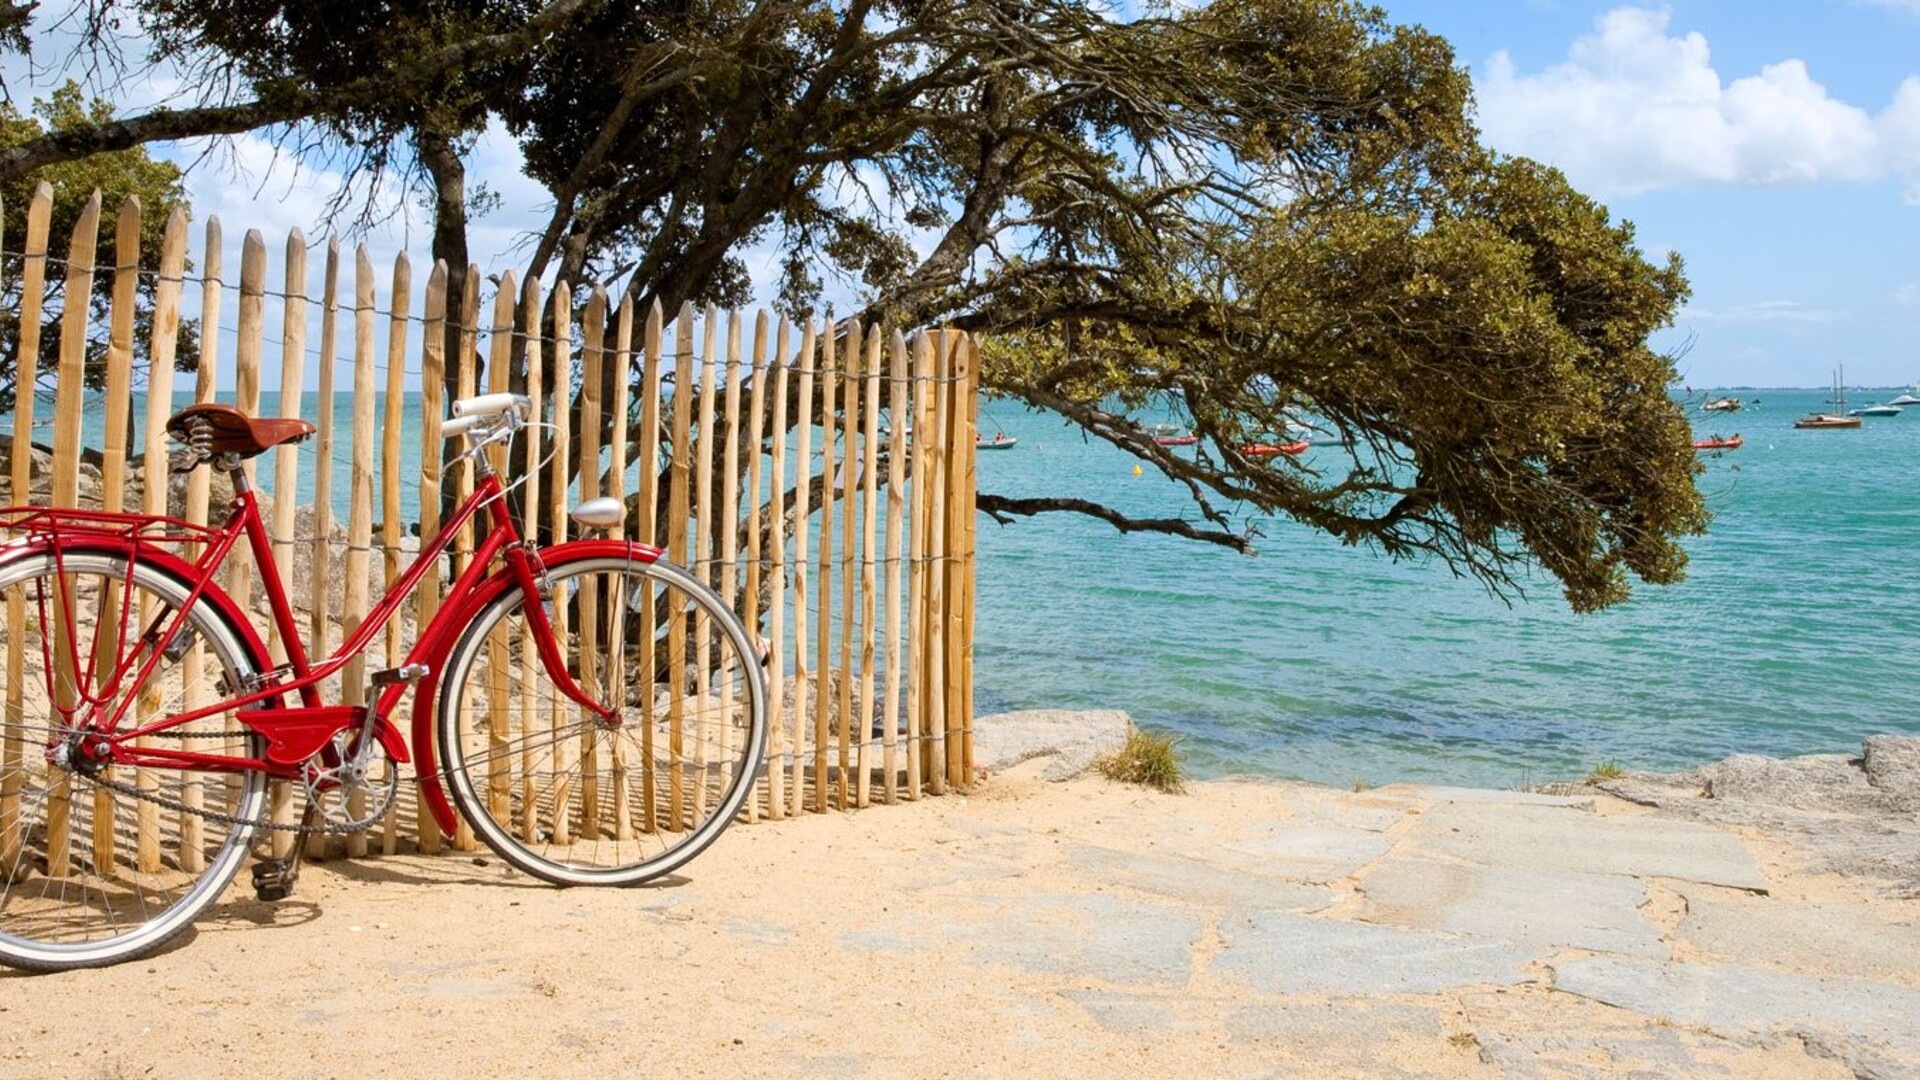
(574, 802)
(89, 875)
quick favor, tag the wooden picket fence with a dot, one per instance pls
(841, 459)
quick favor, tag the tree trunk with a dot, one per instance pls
(449, 175)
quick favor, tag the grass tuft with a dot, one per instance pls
(1607, 770)
(1146, 759)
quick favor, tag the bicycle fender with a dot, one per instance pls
(166, 562)
(434, 651)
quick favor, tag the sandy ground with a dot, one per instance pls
(1035, 928)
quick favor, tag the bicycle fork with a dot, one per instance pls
(532, 577)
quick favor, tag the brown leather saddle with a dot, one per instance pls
(230, 431)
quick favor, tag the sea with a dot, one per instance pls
(1796, 631)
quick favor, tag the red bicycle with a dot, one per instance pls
(597, 714)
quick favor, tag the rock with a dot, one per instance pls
(306, 528)
(1003, 740)
(1851, 816)
(40, 481)
(1825, 782)
(795, 702)
(1892, 765)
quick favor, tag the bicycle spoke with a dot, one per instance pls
(92, 874)
(586, 802)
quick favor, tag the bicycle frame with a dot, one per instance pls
(295, 734)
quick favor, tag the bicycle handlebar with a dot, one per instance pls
(453, 429)
(486, 412)
(488, 405)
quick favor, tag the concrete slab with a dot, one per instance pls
(1811, 939)
(1305, 852)
(1197, 880)
(1854, 1015)
(1083, 936)
(1647, 1052)
(1339, 1020)
(1440, 793)
(1544, 907)
(1374, 811)
(1133, 1013)
(1557, 838)
(1284, 953)
(1346, 1037)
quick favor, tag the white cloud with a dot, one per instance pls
(1633, 109)
(1764, 311)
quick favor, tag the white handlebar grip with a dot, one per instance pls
(459, 426)
(488, 404)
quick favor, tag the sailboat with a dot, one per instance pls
(1835, 419)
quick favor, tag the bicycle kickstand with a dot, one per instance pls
(273, 879)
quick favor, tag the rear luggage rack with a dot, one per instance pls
(53, 522)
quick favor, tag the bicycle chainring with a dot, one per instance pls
(343, 769)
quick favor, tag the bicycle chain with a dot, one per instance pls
(171, 803)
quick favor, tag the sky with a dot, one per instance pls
(1774, 144)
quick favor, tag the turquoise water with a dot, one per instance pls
(1797, 631)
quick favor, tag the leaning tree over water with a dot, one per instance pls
(1250, 208)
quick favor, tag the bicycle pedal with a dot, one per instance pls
(405, 673)
(273, 879)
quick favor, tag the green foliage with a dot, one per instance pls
(1146, 759)
(1497, 342)
(15, 17)
(1244, 209)
(116, 176)
(1607, 770)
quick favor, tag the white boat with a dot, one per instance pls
(1906, 399)
(1835, 419)
(1172, 435)
(1875, 410)
(1725, 404)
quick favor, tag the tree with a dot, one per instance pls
(1249, 208)
(116, 176)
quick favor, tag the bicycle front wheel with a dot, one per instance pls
(572, 800)
(104, 864)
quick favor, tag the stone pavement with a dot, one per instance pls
(1059, 930)
(1410, 909)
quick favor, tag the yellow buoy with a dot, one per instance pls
(1136, 470)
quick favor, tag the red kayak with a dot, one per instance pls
(1270, 449)
(1718, 443)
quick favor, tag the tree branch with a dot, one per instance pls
(1000, 506)
(280, 103)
